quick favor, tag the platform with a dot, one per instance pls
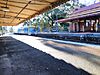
(81, 55)
(18, 58)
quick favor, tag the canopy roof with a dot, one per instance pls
(88, 11)
(14, 12)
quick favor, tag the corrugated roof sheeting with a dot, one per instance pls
(14, 12)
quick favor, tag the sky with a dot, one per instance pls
(88, 2)
(15, 28)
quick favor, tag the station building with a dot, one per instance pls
(86, 19)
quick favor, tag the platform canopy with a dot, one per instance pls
(14, 12)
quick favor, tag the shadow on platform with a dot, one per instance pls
(17, 58)
(88, 56)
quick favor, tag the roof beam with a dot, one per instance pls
(30, 3)
(21, 10)
(45, 1)
(15, 12)
(7, 24)
(52, 5)
(14, 3)
(26, 1)
(9, 16)
(13, 17)
(4, 22)
(6, 6)
(18, 6)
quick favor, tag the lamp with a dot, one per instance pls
(29, 0)
(6, 9)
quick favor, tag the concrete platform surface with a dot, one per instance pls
(81, 55)
(18, 58)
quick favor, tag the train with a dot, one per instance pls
(87, 37)
(25, 30)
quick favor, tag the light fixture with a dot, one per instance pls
(6, 9)
(29, 0)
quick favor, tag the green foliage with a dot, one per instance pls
(11, 29)
(0, 28)
(46, 20)
(64, 26)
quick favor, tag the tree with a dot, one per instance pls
(1, 31)
(47, 19)
(11, 30)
